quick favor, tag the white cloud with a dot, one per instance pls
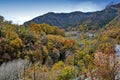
(87, 7)
(18, 20)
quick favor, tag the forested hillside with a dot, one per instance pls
(44, 52)
(95, 20)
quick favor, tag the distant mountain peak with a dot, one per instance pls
(116, 5)
(112, 4)
(50, 13)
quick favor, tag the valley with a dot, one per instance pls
(62, 46)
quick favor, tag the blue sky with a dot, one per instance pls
(20, 11)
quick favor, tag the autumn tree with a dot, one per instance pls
(107, 63)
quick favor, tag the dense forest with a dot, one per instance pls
(46, 52)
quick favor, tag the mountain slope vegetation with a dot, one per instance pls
(44, 52)
(74, 19)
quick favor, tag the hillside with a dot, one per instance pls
(115, 22)
(41, 49)
(88, 50)
(92, 19)
(113, 28)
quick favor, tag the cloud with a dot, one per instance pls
(87, 7)
(17, 20)
(20, 20)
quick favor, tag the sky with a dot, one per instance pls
(19, 11)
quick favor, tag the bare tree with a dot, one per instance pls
(12, 70)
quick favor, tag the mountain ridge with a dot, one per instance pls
(92, 19)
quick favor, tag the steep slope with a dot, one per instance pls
(115, 23)
(92, 19)
(114, 28)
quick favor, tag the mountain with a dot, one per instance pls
(115, 23)
(92, 19)
(113, 28)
